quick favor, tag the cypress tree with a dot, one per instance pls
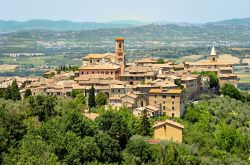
(15, 95)
(91, 98)
(146, 126)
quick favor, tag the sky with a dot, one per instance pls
(193, 11)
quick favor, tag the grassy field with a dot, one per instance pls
(53, 60)
(244, 77)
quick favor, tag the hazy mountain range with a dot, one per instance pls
(63, 25)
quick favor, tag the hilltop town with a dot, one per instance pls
(157, 86)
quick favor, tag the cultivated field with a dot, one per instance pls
(240, 49)
(244, 77)
(246, 60)
(4, 68)
(229, 58)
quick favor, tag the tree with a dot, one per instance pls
(160, 61)
(32, 150)
(1, 93)
(12, 127)
(228, 137)
(115, 125)
(213, 77)
(7, 93)
(43, 106)
(231, 91)
(75, 92)
(90, 150)
(15, 95)
(139, 150)
(175, 154)
(109, 147)
(91, 98)
(80, 125)
(27, 93)
(101, 99)
(80, 99)
(146, 126)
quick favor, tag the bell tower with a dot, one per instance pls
(120, 53)
(213, 55)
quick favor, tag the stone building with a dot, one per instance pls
(170, 101)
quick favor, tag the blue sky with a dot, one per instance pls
(194, 11)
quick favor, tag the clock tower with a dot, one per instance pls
(120, 53)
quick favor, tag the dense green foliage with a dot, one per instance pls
(67, 68)
(49, 130)
(27, 93)
(231, 91)
(101, 99)
(219, 128)
(11, 92)
(160, 61)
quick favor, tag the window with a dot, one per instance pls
(164, 102)
(164, 108)
(173, 97)
(172, 108)
(119, 90)
(164, 96)
(93, 72)
(155, 96)
(172, 114)
(155, 102)
(120, 45)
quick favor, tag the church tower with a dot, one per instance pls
(120, 53)
(213, 56)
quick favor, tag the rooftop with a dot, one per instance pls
(99, 56)
(100, 66)
(168, 91)
(170, 122)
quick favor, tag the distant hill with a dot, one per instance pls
(63, 25)
(152, 32)
(235, 22)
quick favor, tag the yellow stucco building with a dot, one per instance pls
(168, 130)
